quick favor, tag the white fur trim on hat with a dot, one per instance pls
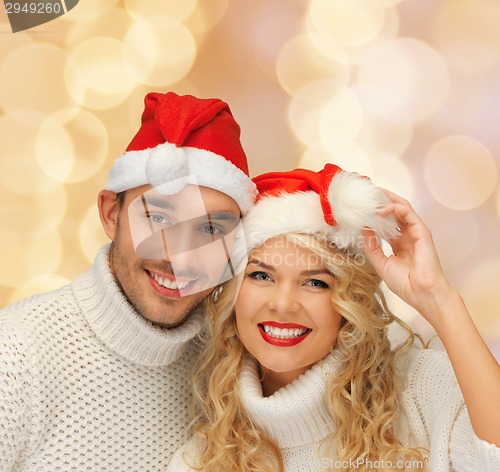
(167, 162)
(354, 201)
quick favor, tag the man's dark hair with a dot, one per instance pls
(120, 196)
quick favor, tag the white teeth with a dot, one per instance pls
(182, 285)
(168, 284)
(284, 333)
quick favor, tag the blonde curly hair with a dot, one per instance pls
(362, 396)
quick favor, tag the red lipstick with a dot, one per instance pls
(282, 342)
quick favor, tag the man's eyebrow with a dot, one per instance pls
(213, 215)
(158, 202)
(223, 215)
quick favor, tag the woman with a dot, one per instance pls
(299, 374)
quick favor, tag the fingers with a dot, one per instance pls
(400, 207)
(373, 251)
(395, 198)
(405, 215)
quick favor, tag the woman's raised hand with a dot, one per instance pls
(413, 272)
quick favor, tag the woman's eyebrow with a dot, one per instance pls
(315, 272)
(260, 264)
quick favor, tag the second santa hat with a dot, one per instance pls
(332, 204)
(185, 136)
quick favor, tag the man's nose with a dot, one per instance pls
(154, 247)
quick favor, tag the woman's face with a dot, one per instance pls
(284, 313)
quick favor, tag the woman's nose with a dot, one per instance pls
(284, 299)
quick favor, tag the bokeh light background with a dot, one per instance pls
(407, 92)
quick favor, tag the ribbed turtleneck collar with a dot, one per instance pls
(296, 414)
(118, 325)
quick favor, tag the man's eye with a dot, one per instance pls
(210, 229)
(155, 218)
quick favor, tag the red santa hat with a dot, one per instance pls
(185, 136)
(333, 204)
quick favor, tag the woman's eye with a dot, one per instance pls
(317, 283)
(259, 276)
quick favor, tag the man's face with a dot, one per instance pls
(169, 251)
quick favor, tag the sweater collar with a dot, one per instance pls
(118, 325)
(296, 414)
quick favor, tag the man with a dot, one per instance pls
(95, 376)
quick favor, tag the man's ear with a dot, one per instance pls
(109, 207)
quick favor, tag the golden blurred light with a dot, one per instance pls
(95, 73)
(51, 208)
(341, 120)
(54, 150)
(379, 3)
(4, 20)
(41, 284)
(112, 24)
(401, 309)
(386, 125)
(352, 158)
(306, 110)
(90, 10)
(141, 10)
(299, 62)
(13, 41)
(455, 235)
(390, 29)
(325, 115)
(412, 71)
(498, 202)
(71, 147)
(472, 57)
(28, 219)
(391, 173)
(18, 91)
(159, 51)
(28, 258)
(460, 172)
(275, 146)
(206, 16)
(91, 234)
(346, 22)
(269, 27)
(326, 48)
(19, 171)
(480, 292)
(122, 122)
(467, 32)
(315, 160)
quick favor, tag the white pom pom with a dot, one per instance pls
(355, 201)
(167, 162)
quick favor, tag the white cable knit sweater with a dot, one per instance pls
(432, 415)
(88, 385)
